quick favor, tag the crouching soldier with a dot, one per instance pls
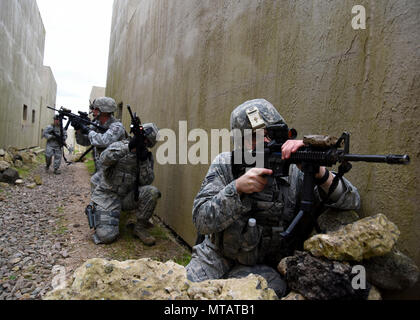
(242, 214)
(55, 142)
(116, 187)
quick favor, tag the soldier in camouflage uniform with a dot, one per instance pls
(225, 202)
(103, 110)
(114, 188)
(54, 147)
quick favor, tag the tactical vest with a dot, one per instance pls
(273, 212)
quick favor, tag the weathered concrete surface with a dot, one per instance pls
(23, 78)
(197, 60)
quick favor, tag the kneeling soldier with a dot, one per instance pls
(115, 188)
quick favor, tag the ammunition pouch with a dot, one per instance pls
(239, 244)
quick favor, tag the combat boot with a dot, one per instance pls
(141, 232)
(56, 171)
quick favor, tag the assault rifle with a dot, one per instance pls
(318, 151)
(138, 131)
(83, 118)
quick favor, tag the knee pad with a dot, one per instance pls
(107, 225)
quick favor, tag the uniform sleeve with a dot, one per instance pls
(218, 204)
(349, 198)
(113, 154)
(47, 133)
(103, 140)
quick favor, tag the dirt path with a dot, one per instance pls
(126, 247)
(44, 232)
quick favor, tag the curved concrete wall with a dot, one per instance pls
(196, 60)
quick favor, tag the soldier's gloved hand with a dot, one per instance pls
(75, 124)
(144, 154)
(84, 128)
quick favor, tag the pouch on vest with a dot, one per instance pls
(241, 243)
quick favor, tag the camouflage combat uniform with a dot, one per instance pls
(101, 141)
(114, 190)
(53, 148)
(221, 214)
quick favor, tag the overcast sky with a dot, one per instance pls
(76, 47)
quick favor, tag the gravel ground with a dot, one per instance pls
(44, 232)
(32, 237)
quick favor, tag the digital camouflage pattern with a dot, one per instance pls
(105, 104)
(222, 215)
(218, 208)
(53, 148)
(113, 190)
(101, 141)
(239, 119)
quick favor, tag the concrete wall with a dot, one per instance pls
(96, 92)
(196, 60)
(23, 78)
(49, 94)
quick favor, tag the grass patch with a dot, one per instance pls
(40, 158)
(90, 164)
(23, 172)
(158, 233)
(184, 259)
(60, 209)
(61, 225)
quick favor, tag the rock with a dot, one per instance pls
(8, 158)
(4, 165)
(294, 296)
(15, 260)
(19, 181)
(10, 175)
(2, 153)
(38, 179)
(64, 254)
(321, 279)
(26, 157)
(374, 294)
(394, 271)
(146, 279)
(31, 185)
(332, 220)
(18, 163)
(363, 239)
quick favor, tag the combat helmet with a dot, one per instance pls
(254, 114)
(105, 104)
(152, 133)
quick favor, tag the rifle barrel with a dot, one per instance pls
(389, 159)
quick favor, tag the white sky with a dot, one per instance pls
(76, 47)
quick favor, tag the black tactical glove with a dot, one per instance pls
(76, 124)
(84, 128)
(144, 154)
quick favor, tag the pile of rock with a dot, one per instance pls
(12, 159)
(350, 260)
(146, 279)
